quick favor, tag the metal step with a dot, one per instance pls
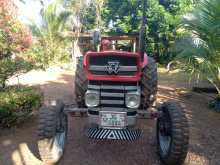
(114, 134)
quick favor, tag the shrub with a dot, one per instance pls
(12, 67)
(15, 38)
(16, 104)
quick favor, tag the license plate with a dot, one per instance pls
(112, 120)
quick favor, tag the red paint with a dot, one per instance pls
(134, 78)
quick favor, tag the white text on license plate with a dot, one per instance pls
(113, 119)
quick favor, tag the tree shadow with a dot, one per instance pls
(18, 145)
(204, 146)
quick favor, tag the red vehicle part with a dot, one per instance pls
(134, 78)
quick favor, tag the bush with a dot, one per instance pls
(16, 104)
(12, 67)
(14, 36)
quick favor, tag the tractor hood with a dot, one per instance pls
(113, 66)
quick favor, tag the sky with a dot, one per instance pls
(30, 10)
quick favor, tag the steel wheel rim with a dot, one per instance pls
(164, 135)
(60, 140)
(164, 143)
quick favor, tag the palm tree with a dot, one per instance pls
(78, 9)
(51, 33)
(200, 45)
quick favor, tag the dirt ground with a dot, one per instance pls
(18, 145)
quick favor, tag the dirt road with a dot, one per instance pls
(18, 147)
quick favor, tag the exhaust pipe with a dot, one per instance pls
(142, 34)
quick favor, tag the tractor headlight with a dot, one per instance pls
(92, 98)
(133, 99)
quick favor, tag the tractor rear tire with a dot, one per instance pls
(149, 84)
(80, 83)
(172, 134)
(52, 132)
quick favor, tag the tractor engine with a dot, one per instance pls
(113, 86)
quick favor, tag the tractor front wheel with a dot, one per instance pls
(172, 134)
(52, 132)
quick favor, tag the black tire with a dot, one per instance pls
(172, 134)
(149, 84)
(80, 83)
(52, 132)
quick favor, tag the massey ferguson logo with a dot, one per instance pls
(113, 67)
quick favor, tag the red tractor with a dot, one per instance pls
(113, 89)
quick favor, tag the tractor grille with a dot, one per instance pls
(127, 66)
(112, 95)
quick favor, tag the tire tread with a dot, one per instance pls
(149, 83)
(48, 117)
(180, 135)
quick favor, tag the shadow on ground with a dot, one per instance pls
(18, 145)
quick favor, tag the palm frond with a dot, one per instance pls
(199, 49)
